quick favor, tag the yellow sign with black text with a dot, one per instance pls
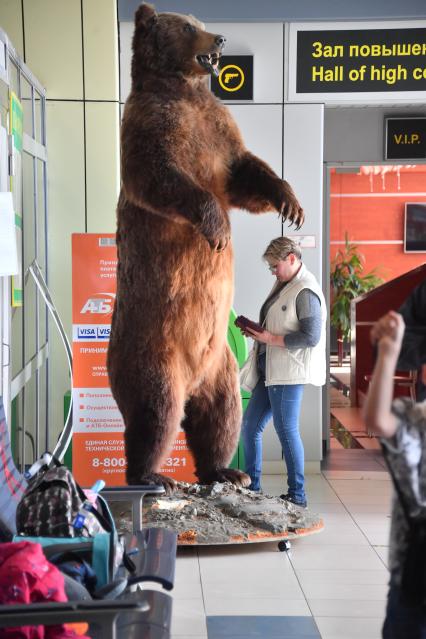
(235, 79)
(361, 61)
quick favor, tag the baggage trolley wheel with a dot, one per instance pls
(284, 545)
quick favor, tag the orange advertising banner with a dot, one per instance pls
(98, 428)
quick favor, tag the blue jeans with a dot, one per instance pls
(282, 403)
(403, 621)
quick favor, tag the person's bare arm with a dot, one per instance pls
(388, 333)
(265, 337)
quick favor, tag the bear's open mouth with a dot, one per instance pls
(210, 62)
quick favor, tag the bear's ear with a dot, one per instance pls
(145, 16)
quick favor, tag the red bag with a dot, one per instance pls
(27, 577)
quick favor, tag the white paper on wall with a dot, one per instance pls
(4, 169)
(304, 241)
(8, 249)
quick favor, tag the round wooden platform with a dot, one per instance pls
(221, 514)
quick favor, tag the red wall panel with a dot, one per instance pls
(371, 208)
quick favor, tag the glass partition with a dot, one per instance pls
(22, 110)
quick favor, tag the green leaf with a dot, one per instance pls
(347, 282)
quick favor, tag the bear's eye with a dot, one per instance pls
(189, 28)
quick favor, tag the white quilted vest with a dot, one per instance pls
(301, 365)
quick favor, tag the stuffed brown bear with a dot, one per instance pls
(184, 166)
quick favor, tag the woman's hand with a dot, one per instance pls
(265, 337)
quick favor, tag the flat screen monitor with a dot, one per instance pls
(415, 228)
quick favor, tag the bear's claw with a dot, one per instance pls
(290, 208)
(168, 483)
(223, 475)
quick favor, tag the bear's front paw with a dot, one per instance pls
(288, 205)
(219, 244)
(148, 479)
(217, 230)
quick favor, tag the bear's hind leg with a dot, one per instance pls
(152, 420)
(212, 425)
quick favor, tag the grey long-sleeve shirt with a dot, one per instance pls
(308, 311)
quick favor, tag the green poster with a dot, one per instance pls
(16, 123)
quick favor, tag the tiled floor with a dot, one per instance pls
(347, 429)
(331, 585)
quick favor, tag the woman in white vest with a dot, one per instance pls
(288, 354)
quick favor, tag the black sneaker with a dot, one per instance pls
(300, 504)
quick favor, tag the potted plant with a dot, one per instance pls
(347, 282)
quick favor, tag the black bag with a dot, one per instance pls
(51, 504)
(54, 507)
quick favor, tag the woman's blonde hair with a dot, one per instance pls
(280, 248)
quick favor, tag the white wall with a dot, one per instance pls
(303, 168)
(355, 134)
(261, 126)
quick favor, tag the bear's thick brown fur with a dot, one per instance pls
(184, 166)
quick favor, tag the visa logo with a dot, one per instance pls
(103, 333)
(86, 333)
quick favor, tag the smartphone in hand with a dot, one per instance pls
(244, 323)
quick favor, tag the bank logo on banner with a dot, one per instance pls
(99, 304)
